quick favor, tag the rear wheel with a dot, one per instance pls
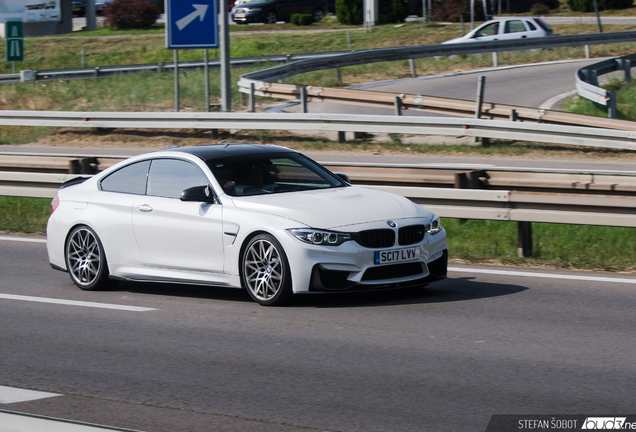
(85, 259)
(265, 271)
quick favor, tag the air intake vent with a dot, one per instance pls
(393, 271)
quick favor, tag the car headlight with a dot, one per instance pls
(434, 227)
(319, 237)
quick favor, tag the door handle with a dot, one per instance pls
(144, 208)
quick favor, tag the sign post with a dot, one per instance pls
(191, 25)
(15, 41)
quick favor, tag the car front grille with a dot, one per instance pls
(393, 271)
(410, 234)
(379, 238)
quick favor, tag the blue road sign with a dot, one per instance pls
(192, 24)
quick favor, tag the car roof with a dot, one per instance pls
(216, 151)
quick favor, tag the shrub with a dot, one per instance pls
(349, 11)
(302, 19)
(588, 5)
(451, 10)
(539, 9)
(130, 14)
(389, 11)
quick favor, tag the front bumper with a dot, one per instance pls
(391, 277)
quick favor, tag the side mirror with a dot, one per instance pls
(198, 194)
(345, 178)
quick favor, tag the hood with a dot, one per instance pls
(334, 208)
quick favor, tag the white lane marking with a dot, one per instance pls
(541, 275)
(13, 395)
(76, 303)
(548, 104)
(23, 239)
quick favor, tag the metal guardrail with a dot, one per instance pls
(587, 80)
(504, 205)
(33, 76)
(520, 131)
(412, 52)
(433, 104)
(380, 174)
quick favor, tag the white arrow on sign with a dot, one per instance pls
(199, 12)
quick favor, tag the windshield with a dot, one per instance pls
(271, 173)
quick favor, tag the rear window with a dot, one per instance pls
(129, 179)
(544, 25)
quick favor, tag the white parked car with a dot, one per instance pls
(506, 29)
(263, 218)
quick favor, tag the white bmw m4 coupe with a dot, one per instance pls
(258, 217)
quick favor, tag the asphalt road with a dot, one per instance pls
(526, 86)
(444, 358)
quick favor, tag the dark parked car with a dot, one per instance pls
(79, 8)
(272, 11)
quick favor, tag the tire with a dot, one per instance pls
(318, 15)
(265, 271)
(85, 259)
(271, 17)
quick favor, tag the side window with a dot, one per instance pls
(489, 30)
(515, 26)
(532, 26)
(129, 179)
(169, 177)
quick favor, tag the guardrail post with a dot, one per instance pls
(412, 65)
(251, 98)
(593, 77)
(587, 51)
(159, 69)
(338, 76)
(481, 86)
(303, 100)
(627, 66)
(176, 80)
(495, 59)
(513, 115)
(349, 39)
(83, 57)
(97, 74)
(524, 239)
(34, 77)
(611, 105)
(398, 106)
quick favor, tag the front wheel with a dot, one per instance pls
(271, 17)
(85, 259)
(265, 271)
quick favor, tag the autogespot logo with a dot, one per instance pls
(607, 423)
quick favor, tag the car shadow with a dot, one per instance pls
(445, 291)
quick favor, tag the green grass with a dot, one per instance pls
(575, 246)
(24, 215)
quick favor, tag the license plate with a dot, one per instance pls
(239, 16)
(398, 255)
